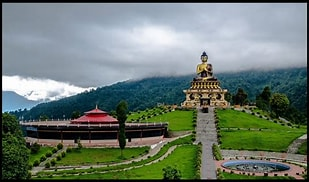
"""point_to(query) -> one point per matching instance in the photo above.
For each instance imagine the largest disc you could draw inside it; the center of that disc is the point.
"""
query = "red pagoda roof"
(95, 116)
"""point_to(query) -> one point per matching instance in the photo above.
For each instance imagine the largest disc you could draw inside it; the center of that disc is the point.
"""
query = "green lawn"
(181, 141)
(277, 141)
(87, 156)
(153, 171)
(133, 116)
(237, 119)
(178, 120)
(37, 156)
(272, 137)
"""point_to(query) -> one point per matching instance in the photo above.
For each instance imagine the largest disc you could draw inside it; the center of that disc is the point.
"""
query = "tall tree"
(240, 97)
(15, 155)
(263, 99)
(279, 104)
(228, 97)
(122, 110)
(75, 115)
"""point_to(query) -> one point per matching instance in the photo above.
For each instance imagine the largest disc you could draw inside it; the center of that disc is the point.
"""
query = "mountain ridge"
(12, 101)
(147, 92)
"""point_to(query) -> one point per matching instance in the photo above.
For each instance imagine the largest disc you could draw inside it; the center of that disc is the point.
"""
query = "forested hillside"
(146, 93)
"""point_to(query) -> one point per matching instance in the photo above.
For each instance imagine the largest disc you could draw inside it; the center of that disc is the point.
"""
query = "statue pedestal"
(204, 92)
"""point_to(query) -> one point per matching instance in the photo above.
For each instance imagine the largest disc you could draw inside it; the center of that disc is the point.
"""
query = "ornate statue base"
(204, 91)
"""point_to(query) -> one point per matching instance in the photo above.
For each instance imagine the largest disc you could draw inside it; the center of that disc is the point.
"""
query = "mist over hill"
(148, 92)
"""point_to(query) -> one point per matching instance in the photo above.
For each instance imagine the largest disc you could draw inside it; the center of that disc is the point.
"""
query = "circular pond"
(255, 166)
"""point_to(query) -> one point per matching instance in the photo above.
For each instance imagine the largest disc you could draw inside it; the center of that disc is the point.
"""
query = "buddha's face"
(204, 59)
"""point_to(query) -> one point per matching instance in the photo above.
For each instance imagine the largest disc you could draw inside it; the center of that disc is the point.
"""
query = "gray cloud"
(95, 44)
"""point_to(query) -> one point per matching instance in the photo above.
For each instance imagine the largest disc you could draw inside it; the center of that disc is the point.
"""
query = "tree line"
(146, 93)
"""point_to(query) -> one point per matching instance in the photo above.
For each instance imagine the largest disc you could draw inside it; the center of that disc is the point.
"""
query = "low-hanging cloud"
(91, 45)
(40, 89)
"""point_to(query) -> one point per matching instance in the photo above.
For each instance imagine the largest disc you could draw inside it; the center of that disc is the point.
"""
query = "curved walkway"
(293, 148)
(41, 166)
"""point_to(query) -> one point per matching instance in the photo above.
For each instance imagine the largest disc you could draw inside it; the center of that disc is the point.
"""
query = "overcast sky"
(75, 46)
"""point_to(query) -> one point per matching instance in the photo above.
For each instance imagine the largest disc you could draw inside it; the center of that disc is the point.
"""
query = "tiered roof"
(95, 116)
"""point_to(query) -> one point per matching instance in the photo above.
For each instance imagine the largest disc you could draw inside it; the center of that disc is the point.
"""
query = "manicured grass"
(37, 156)
(164, 149)
(228, 176)
(134, 116)
(272, 137)
(87, 156)
(277, 141)
(153, 171)
(237, 119)
(178, 120)
(302, 149)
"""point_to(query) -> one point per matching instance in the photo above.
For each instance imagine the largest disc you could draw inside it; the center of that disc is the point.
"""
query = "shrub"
(54, 150)
(60, 146)
(47, 165)
(69, 150)
(43, 158)
(58, 157)
(216, 152)
(36, 163)
(80, 146)
(193, 138)
(53, 162)
(48, 154)
(35, 148)
(63, 154)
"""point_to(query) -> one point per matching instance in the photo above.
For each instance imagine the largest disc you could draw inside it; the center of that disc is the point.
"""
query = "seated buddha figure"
(204, 70)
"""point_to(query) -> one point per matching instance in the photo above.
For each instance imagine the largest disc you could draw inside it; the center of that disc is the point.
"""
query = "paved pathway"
(293, 148)
(41, 166)
(206, 133)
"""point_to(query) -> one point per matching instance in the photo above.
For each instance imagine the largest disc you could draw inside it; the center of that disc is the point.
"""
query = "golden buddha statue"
(204, 70)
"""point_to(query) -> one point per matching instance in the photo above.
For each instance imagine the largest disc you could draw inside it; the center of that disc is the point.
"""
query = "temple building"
(205, 89)
(92, 127)
(95, 116)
